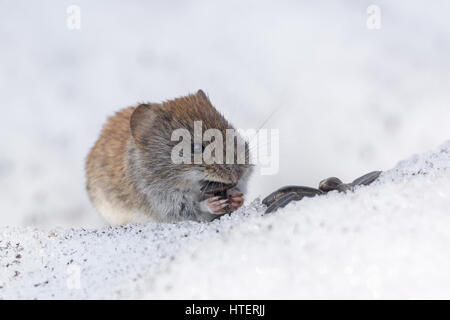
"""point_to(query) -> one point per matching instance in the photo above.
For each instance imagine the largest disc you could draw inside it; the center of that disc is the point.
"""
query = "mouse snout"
(234, 172)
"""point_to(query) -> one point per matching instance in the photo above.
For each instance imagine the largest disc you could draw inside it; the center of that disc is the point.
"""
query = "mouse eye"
(197, 148)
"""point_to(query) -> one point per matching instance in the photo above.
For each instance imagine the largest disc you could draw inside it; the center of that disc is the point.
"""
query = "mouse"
(131, 176)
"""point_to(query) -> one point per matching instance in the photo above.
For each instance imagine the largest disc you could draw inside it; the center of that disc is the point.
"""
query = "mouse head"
(188, 138)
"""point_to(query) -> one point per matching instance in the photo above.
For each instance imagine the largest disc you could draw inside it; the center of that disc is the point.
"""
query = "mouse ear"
(202, 95)
(141, 121)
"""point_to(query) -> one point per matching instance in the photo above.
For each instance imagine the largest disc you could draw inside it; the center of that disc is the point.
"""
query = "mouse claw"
(214, 205)
(236, 200)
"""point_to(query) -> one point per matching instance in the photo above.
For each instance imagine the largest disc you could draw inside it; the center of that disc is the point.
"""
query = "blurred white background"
(349, 99)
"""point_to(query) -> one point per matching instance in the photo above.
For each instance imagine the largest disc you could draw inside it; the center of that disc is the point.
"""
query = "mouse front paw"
(236, 200)
(214, 205)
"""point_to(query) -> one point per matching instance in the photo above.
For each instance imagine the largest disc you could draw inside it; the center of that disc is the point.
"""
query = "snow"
(386, 240)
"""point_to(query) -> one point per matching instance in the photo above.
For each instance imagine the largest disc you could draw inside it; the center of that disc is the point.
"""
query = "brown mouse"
(131, 176)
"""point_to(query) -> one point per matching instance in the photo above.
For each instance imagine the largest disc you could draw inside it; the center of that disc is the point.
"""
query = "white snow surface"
(386, 240)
